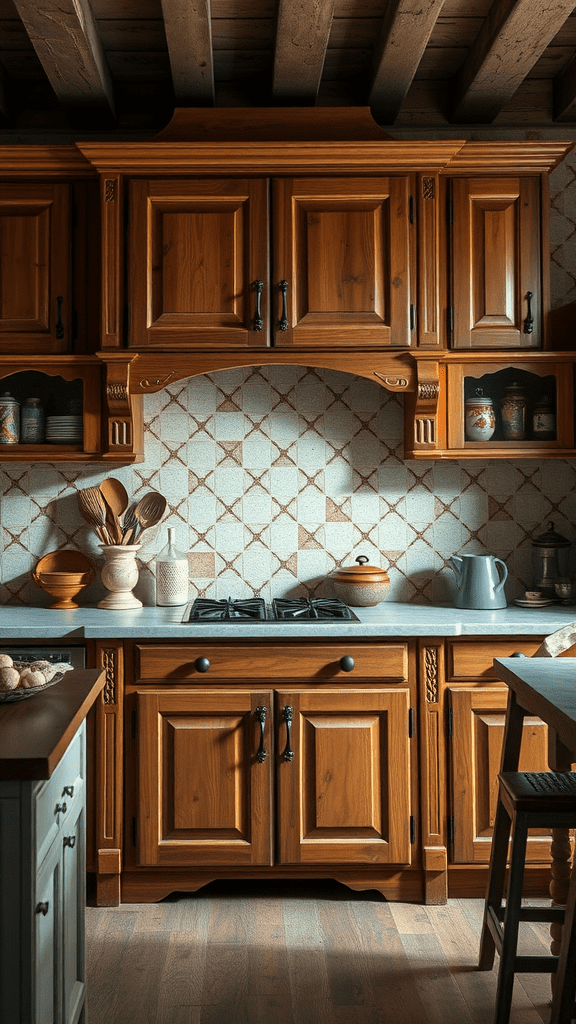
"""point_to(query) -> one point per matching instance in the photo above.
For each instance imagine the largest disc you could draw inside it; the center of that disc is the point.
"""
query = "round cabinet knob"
(43, 908)
(347, 663)
(201, 664)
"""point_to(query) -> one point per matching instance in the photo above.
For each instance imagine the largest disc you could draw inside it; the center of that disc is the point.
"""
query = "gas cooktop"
(254, 609)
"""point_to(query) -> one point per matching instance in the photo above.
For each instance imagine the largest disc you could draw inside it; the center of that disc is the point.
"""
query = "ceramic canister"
(9, 419)
(479, 418)
(513, 413)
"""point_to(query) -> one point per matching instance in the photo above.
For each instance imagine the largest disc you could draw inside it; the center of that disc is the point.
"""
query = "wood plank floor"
(297, 953)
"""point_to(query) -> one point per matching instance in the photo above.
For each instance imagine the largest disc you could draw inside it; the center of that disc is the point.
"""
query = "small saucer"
(540, 603)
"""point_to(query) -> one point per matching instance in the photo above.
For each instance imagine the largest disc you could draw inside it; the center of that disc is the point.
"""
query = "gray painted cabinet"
(43, 894)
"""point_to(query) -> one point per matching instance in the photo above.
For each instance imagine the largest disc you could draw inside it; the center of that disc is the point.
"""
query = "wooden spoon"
(116, 499)
(149, 511)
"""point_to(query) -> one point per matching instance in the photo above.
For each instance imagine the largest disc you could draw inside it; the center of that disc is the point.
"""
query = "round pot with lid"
(361, 585)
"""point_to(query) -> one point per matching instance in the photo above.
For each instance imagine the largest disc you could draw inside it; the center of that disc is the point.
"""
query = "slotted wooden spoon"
(116, 499)
(149, 511)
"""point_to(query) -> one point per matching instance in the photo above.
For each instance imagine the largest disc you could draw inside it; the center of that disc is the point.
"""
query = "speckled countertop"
(386, 620)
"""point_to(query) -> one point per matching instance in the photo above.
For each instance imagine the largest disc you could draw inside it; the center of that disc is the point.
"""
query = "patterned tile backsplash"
(274, 477)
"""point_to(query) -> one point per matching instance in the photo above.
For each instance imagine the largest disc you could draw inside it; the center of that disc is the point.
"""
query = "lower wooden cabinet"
(476, 733)
(257, 777)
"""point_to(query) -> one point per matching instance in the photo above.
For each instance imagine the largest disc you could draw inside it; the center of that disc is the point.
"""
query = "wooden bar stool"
(526, 800)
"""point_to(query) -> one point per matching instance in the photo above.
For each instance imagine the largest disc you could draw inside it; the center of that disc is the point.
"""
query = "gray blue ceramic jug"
(479, 584)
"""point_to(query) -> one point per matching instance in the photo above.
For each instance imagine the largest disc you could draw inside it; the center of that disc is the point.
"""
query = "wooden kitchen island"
(42, 851)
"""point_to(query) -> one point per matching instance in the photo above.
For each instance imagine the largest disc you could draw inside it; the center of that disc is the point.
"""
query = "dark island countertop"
(35, 732)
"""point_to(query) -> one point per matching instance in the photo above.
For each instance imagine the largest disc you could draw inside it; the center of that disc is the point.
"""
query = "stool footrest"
(545, 915)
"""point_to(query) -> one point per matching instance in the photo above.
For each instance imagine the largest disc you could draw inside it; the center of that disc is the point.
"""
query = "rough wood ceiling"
(437, 65)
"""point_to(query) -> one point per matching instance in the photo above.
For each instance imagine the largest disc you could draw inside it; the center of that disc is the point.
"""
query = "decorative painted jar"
(513, 413)
(544, 420)
(479, 417)
(9, 419)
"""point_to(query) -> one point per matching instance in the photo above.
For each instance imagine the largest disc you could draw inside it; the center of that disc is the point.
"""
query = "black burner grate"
(253, 609)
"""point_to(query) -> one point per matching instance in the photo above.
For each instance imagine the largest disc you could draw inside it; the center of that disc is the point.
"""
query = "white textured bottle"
(171, 574)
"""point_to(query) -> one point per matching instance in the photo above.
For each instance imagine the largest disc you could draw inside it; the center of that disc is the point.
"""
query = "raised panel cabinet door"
(73, 910)
(204, 778)
(496, 263)
(344, 793)
(197, 250)
(342, 262)
(47, 930)
(35, 268)
(478, 720)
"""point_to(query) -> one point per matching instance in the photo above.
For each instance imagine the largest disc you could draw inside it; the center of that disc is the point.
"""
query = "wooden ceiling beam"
(302, 33)
(189, 37)
(65, 38)
(401, 44)
(513, 37)
(565, 93)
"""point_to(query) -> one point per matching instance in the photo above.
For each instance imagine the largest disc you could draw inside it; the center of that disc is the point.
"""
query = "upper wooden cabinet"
(496, 263)
(195, 251)
(35, 268)
(205, 269)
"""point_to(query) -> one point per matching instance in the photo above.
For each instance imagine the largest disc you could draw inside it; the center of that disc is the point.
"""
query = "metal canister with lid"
(9, 419)
(32, 429)
(550, 556)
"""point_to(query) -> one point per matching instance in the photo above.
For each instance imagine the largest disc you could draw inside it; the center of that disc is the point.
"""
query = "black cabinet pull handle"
(201, 664)
(529, 321)
(257, 321)
(261, 712)
(68, 791)
(288, 753)
(347, 663)
(70, 841)
(42, 908)
(283, 321)
(60, 808)
(59, 322)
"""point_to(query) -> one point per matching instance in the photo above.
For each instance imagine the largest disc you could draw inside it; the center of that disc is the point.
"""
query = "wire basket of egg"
(21, 679)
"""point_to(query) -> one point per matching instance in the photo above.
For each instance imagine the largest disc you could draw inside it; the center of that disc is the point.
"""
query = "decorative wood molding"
(243, 157)
(108, 660)
(431, 674)
(150, 371)
(44, 161)
(426, 406)
(531, 157)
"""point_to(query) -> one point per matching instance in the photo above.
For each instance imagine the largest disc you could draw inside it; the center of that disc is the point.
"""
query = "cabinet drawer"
(62, 790)
(383, 662)
(474, 660)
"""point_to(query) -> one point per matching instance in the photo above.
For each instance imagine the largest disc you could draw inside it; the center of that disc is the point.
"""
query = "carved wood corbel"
(122, 411)
(426, 404)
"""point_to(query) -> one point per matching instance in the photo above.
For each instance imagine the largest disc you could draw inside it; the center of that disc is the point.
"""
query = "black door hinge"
(450, 317)
(450, 723)
(450, 211)
(411, 209)
(412, 830)
(126, 319)
(410, 723)
(412, 316)
(134, 724)
(451, 830)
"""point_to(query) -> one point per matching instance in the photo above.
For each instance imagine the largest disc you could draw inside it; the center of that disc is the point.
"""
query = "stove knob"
(347, 663)
(201, 664)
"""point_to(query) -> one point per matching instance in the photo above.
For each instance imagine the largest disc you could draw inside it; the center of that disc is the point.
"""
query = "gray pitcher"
(479, 583)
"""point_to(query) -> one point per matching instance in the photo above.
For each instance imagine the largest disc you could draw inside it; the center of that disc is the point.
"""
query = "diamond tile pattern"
(275, 476)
